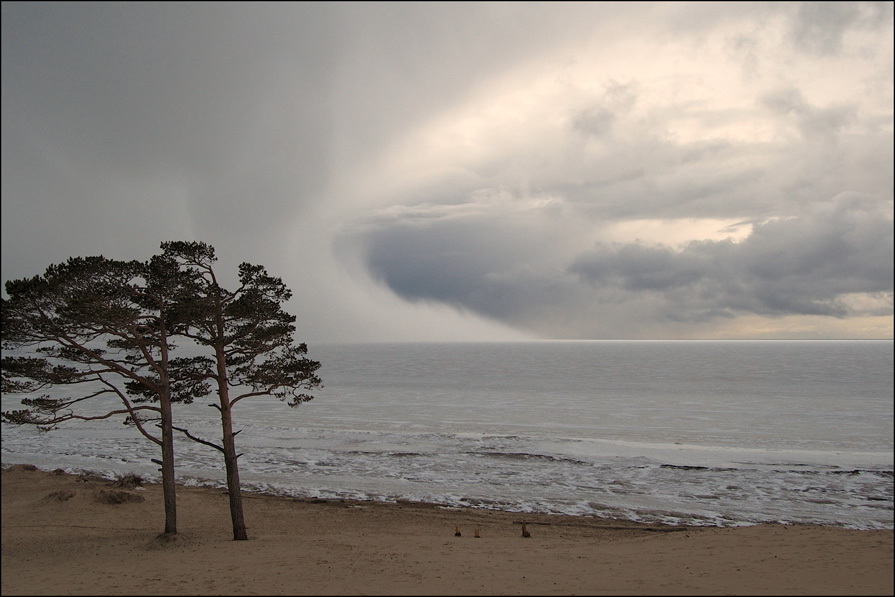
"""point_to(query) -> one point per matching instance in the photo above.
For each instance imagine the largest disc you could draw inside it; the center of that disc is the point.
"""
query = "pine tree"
(249, 341)
(104, 326)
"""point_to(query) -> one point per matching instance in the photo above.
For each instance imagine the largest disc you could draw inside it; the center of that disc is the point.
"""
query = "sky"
(471, 171)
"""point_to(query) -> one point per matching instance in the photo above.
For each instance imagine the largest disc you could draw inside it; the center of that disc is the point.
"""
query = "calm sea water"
(706, 433)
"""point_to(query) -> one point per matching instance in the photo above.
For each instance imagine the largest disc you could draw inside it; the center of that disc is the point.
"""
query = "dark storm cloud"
(801, 265)
(453, 262)
(806, 265)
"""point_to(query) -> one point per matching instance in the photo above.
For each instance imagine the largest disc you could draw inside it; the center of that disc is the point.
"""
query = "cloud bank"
(472, 171)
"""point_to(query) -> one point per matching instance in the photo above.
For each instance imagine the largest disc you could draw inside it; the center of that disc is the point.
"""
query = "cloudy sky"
(471, 171)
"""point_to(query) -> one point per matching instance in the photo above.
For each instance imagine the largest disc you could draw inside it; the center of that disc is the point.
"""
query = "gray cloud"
(801, 265)
(226, 112)
(190, 100)
(820, 124)
(445, 166)
(806, 265)
(819, 27)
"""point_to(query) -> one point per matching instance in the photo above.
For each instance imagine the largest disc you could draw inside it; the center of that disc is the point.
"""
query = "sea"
(706, 433)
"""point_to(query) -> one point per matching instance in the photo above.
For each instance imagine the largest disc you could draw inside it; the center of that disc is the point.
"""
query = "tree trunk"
(168, 486)
(229, 444)
(233, 489)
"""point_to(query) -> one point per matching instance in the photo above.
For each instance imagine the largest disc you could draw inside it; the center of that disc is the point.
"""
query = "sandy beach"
(81, 535)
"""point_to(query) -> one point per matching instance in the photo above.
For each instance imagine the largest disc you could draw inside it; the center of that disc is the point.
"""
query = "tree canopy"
(109, 325)
(103, 325)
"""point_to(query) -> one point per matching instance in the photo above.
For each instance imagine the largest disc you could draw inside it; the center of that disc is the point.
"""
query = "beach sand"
(63, 535)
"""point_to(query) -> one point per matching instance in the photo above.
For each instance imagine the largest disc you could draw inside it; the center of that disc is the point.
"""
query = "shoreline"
(642, 516)
(61, 536)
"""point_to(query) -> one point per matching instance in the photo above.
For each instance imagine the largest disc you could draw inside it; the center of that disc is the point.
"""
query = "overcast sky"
(471, 171)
